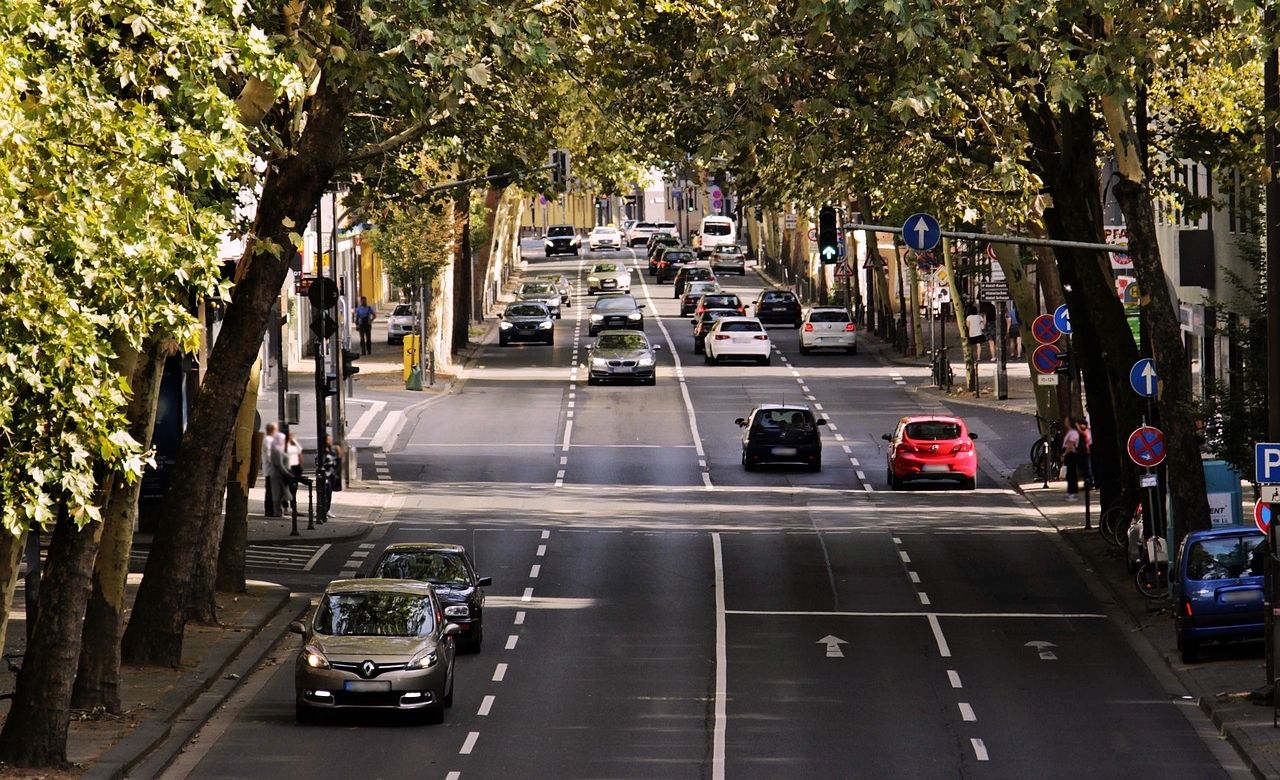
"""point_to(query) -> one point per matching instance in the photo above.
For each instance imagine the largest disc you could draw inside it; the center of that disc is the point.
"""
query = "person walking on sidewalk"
(989, 328)
(364, 323)
(1013, 328)
(1076, 445)
(269, 474)
(293, 461)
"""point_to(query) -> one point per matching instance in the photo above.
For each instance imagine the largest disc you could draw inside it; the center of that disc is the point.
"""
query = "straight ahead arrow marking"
(833, 646)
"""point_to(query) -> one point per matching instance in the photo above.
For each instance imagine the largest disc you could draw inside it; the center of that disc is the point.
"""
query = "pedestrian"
(364, 323)
(293, 461)
(1013, 328)
(282, 485)
(269, 470)
(989, 326)
(1076, 445)
(974, 330)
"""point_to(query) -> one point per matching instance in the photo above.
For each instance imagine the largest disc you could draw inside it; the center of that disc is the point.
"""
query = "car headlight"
(544, 325)
(576, 241)
(599, 363)
(548, 243)
(457, 610)
(425, 660)
(597, 317)
(646, 361)
(593, 280)
(504, 325)
(314, 658)
(635, 315)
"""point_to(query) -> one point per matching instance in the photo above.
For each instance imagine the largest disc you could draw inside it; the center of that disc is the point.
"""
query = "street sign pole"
(1002, 367)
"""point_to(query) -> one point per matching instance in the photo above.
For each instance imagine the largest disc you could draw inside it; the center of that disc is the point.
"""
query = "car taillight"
(1187, 604)
(904, 447)
(965, 446)
(808, 327)
(721, 337)
(849, 328)
(761, 337)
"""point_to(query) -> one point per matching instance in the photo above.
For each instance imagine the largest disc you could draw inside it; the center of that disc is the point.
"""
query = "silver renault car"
(376, 644)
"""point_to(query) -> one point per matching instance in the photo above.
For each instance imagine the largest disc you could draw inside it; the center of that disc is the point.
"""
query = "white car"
(608, 278)
(639, 233)
(828, 327)
(738, 337)
(402, 322)
(541, 292)
(604, 238)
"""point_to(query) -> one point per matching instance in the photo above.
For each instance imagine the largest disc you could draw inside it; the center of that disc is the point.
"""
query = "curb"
(346, 537)
(183, 711)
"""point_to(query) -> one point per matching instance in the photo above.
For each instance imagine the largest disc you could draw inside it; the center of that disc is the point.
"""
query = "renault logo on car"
(368, 668)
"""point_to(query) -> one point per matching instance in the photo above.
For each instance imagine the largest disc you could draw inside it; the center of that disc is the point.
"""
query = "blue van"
(1218, 587)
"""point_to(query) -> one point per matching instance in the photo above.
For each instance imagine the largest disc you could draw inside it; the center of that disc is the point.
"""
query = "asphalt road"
(657, 612)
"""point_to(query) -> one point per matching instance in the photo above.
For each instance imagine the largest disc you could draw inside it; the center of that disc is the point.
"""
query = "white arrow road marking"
(1042, 647)
(833, 646)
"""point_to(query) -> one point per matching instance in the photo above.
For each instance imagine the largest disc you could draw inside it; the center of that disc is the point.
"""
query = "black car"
(782, 434)
(657, 246)
(448, 567)
(702, 324)
(526, 321)
(561, 240)
(778, 307)
(671, 261)
(616, 311)
(699, 272)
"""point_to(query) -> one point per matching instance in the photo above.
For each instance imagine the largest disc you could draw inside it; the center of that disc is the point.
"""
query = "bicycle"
(1152, 577)
(1115, 523)
(943, 376)
(1046, 453)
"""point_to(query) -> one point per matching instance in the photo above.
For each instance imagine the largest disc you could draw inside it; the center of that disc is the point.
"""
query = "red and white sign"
(1262, 515)
(1119, 235)
(843, 271)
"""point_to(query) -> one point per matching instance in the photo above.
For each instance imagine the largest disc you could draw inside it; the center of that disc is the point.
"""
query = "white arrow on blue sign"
(921, 232)
(1143, 378)
(1267, 463)
(1062, 318)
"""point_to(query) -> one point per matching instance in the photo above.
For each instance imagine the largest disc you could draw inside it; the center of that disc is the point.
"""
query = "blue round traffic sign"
(1143, 378)
(1062, 319)
(1262, 515)
(921, 232)
(1046, 359)
(1146, 446)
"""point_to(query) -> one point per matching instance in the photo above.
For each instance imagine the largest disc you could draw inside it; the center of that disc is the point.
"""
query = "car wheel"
(894, 482)
(747, 465)
(305, 714)
(551, 340)
(706, 357)
(651, 381)
(815, 467)
(504, 343)
(434, 715)
(448, 697)
(766, 360)
(698, 349)
(853, 350)
(1189, 648)
(592, 380)
(796, 324)
(969, 483)
(804, 350)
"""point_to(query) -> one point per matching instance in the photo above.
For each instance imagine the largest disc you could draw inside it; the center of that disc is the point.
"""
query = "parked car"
(693, 293)
(738, 337)
(402, 322)
(561, 240)
(604, 237)
(1218, 588)
(778, 307)
(702, 323)
(526, 321)
(828, 327)
(931, 447)
(721, 300)
(562, 285)
(691, 272)
(451, 573)
(616, 311)
(375, 644)
(622, 356)
(541, 292)
(781, 434)
(729, 259)
(608, 278)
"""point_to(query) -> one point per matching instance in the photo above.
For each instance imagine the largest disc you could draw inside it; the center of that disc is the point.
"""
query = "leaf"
(479, 74)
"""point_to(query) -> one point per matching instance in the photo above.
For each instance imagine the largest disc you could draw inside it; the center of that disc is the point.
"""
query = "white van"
(716, 232)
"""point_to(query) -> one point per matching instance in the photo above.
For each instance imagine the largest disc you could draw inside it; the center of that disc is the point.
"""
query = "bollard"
(1088, 521)
(293, 505)
(311, 512)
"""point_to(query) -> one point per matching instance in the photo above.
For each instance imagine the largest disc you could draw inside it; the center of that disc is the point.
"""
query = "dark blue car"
(1218, 588)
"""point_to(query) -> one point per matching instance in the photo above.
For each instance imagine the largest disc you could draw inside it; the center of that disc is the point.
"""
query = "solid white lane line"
(528, 595)
(542, 550)
(511, 642)
(924, 598)
(943, 649)
(499, 672)
(312, 561)
(903, 555)
(722, 673)
(470, 743)
(914, 577)
(966, 712)
(931, 615)
(979, 749)
(486, 704)
(954, 677)
(546, 534)
(520, 617)
(534, 571)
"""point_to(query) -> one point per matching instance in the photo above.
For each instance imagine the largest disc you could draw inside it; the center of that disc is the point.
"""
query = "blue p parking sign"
(1267, 463)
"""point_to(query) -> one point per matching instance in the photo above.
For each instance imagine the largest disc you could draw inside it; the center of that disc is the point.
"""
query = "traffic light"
(690, 201)
(828, 236)
(559, 168)
(330, 386)
(349, 367)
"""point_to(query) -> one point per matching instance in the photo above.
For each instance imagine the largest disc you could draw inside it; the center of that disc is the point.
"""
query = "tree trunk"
(462, 267)
(290, 191)
(10, 553)
(202, 603)
(98, 676)
(35, 731)
(235, 526)
(484, 254)
(1184, 473)
(1023, 297)
(1051, 285)
(958, 310)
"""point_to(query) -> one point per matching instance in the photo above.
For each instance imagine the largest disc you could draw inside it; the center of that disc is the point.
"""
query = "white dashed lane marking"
(486, 705)
(499, 672)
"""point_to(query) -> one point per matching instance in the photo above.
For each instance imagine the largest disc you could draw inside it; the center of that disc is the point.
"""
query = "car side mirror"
(657, 347)
(822, 421)
(640, 306)
(499, 315)
(973, 436)
(296, 627)
(484, 582)
(886, 437)
(452, 629)
(741, 422)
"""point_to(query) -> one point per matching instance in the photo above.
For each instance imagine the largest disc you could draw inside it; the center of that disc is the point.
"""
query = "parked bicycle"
(943, 376)
(1152, 577)
(1046, 453)
(1116, 522)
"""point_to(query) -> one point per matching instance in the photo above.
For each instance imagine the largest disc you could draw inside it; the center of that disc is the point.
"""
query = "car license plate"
(366, 686)
(784, 452)
(935, 467)
(1237, 596)
(622, 369)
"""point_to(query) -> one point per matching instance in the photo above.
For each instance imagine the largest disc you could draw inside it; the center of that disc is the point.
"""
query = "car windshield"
(933, 430)
(621, 341)
(555, 280)
(616, 303)
(728, 301)
(403, 310)
(728, 250)
(716, 229)
(829, 315)
(742, 327)
(698, 288)
(778, 297)
(527, 310)
(697, 273)
(438, 568)
(560, 230)
(780, 419)
(711, 315)
(600, 230)
(645, 226)
(678, 257)
(536, 289)
(1226, 557)
(671, 226)
(605, 268)
(374, 613)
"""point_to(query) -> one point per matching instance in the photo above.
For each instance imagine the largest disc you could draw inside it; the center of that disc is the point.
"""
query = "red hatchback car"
(929, 447)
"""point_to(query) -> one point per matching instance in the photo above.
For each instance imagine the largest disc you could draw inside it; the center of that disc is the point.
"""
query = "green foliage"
(115, 143)
(415, 242)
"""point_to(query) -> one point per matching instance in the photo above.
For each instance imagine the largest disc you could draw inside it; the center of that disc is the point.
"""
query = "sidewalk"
(165, 707)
